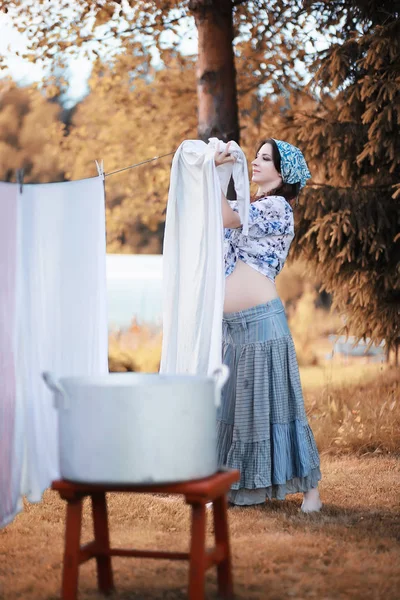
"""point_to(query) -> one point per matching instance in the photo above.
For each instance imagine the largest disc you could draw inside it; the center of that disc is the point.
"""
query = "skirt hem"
(288, 454)
(249, 497)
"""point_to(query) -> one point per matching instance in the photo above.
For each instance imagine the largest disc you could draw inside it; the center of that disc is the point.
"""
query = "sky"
(79, 69)
(25, 72)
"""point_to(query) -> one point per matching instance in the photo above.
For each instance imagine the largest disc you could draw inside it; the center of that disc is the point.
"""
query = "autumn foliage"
(324, 75)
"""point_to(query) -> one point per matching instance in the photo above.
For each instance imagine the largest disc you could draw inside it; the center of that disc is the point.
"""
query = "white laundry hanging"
(193, 269)
(10, 469)
(60, 324)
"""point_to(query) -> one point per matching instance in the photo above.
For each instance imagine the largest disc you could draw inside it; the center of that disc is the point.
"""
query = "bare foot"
(312, 501)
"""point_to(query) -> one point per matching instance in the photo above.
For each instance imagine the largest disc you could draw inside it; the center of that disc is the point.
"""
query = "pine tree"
(349, 221)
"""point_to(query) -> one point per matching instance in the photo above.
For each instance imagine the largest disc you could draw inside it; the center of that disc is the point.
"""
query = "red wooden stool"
(197, 493)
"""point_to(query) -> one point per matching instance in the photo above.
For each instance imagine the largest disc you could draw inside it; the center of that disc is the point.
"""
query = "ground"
(350, 551)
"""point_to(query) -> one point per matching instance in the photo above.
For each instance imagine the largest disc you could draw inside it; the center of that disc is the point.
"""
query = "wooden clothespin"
(20, 179)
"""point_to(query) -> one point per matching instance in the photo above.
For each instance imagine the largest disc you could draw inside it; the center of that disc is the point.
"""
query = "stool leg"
(102, 538)
(224, 568)
(72, 549)
(197, 567)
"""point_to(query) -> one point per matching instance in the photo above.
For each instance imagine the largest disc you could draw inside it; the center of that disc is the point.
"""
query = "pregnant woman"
(262, 427)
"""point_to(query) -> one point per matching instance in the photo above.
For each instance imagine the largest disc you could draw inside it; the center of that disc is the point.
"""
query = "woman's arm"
(230, 218)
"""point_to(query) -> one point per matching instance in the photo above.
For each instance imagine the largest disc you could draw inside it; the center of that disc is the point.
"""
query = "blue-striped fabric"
(262, 425)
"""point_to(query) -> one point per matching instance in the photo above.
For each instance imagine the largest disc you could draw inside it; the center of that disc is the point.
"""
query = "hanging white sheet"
(60, 319)
(193, 269)
(10, 469)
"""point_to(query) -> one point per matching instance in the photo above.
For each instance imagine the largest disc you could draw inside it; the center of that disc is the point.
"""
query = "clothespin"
(20, 179)
(100, 168)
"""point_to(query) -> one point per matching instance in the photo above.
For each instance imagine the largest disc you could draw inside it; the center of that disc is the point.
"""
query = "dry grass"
(137, 349)
(335, 374)
(349, 551)
(357, 418)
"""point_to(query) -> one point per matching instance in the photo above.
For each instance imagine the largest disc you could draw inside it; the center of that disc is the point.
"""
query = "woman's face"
(265, 174)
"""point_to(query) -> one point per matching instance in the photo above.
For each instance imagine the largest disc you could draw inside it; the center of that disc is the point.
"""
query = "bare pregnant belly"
(246, 287)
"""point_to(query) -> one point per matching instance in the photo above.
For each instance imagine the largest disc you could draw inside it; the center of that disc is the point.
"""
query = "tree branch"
(347, 187)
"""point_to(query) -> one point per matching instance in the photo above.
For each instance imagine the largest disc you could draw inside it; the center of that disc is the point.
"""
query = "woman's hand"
(221, 158)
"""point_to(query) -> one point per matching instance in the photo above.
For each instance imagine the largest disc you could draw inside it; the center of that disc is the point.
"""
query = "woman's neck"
(270, 191)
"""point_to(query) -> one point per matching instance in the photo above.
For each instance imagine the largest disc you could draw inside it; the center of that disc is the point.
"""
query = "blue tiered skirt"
(262, 425)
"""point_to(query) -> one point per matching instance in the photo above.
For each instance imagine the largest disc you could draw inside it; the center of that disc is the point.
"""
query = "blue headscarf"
(293, 164)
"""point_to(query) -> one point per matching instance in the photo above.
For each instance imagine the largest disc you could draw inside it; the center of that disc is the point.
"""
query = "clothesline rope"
(138, 164)
(311, 184)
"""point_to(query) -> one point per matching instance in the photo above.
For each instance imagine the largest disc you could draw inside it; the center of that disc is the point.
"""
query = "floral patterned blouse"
(271, 231)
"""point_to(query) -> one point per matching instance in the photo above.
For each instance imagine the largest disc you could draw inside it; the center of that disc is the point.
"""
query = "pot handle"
(220, 377)
(55, 386)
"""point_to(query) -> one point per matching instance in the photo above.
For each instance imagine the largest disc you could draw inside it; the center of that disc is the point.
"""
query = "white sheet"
(10, 470)
(61, 316)
(193, 269)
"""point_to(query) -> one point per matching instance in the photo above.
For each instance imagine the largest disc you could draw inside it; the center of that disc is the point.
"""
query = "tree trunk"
(216, 75)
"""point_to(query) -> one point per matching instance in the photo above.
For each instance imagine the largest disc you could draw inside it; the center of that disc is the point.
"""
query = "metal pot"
(127, 428)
